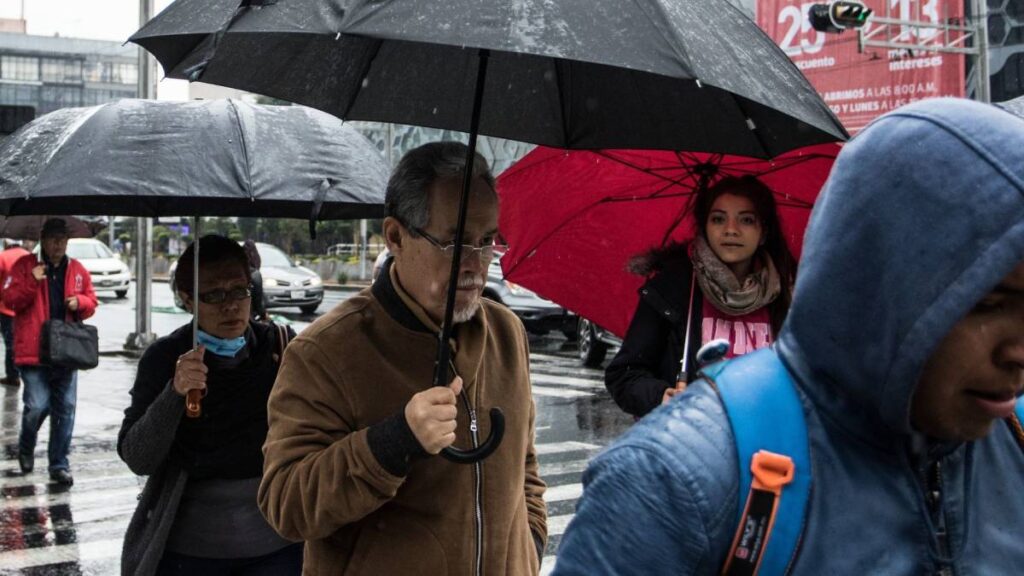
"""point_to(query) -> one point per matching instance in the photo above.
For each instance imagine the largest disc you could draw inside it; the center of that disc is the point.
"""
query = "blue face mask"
(220, 346)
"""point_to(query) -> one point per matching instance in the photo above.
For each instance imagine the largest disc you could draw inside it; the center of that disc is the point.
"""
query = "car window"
(88, 250)
(273, 257)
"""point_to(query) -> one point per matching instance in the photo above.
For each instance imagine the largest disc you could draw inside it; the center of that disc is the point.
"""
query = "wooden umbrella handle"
(193, 403)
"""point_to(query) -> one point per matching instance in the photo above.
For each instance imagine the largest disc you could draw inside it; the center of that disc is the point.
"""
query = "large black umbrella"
(202, 158)
(695, 75)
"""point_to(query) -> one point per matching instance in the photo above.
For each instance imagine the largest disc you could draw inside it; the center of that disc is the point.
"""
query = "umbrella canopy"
(695, 75)
(574, 219)
(29, 227)
(210, 158)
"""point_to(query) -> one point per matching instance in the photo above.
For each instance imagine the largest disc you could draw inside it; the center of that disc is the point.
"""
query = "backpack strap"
(1016, 422)
(770, 430)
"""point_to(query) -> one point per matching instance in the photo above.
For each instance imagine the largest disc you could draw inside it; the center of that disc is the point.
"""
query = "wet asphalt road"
(48, 529)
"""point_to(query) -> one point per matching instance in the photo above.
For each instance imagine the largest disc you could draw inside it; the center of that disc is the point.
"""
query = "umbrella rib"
(245, 149)
(670, 181)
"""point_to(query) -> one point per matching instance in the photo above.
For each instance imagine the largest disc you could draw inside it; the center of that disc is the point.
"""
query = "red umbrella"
(573, 219)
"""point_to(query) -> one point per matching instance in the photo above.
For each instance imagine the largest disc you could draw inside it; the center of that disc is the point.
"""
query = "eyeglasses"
(485, 252)
(218, 296)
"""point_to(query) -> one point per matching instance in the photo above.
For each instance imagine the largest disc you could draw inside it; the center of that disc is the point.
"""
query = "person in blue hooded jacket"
(905, 341)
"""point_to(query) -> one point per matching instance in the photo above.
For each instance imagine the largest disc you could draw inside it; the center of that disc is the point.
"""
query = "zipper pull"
(472, 420)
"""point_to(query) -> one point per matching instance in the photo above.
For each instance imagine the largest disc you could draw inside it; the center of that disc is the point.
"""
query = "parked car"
(108, 272)
(285, 283)
(594, 342)
(538, 315)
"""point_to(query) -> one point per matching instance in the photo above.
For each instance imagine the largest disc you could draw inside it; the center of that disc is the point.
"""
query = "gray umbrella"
(209, 158)
(30, 227)
(665, 74)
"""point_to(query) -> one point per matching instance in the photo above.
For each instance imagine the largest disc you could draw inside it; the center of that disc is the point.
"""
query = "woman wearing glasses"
(733, 281)
(198, 513)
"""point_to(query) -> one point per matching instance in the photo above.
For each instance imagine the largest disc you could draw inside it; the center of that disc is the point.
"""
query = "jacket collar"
(468, 340)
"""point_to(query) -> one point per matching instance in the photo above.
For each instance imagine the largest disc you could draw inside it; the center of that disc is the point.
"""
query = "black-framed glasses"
(485, 252)
(219, 295)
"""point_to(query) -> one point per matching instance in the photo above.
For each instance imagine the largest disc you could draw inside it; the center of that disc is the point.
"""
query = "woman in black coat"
(198, 513)
(741, 291)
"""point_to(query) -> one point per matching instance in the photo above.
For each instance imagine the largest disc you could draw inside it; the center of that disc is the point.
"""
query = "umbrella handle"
(484, 450)
(193, 403)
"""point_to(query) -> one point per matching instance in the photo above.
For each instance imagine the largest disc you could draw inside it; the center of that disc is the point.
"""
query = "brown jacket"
(355, 367)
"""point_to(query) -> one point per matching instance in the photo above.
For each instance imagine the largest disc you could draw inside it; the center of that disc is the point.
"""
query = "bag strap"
(1016, 422)
(282, 341)
(770, 431)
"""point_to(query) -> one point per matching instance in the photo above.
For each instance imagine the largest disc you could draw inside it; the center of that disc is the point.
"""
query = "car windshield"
(273, 257)
(88, 250)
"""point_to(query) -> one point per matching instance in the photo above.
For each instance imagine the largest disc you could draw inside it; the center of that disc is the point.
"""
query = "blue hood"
(922, 216)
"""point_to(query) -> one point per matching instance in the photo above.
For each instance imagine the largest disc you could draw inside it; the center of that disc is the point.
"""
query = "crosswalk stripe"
(80, 498)
(557, 524)
(556, 468)
(563, 492)
(82, 551)
(568, 381)
(559, 447)
(559, 392)
(547, 565)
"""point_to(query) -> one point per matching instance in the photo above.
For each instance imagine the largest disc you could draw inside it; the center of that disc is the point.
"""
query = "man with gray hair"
(355, 425)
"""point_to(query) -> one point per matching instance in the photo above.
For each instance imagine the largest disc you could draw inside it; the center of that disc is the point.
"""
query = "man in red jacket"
(38, 289)
(11, 254)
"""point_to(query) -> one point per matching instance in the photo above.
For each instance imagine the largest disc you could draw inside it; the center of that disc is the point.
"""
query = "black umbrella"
(214, 158)
(696, 75)
(30, 227)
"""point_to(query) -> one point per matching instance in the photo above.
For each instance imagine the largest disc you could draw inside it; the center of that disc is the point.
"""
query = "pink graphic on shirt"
(745, 333)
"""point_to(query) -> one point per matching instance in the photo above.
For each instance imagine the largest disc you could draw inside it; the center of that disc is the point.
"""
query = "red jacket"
(7, 259)
(30, 300)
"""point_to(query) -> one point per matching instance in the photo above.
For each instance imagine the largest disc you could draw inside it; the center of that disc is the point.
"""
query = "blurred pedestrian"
(197, 513)
(259, 309)
(11, 254)
(48, 287)
(733, 281)
(904, 350)
(355, 425)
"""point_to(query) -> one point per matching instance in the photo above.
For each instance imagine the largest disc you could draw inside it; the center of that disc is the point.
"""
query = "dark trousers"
(7, 328)
(285, 562)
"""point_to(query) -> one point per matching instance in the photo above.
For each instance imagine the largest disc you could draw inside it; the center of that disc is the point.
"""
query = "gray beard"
(465, 314)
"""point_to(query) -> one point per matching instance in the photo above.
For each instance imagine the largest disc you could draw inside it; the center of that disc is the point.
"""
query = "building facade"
(48, 73)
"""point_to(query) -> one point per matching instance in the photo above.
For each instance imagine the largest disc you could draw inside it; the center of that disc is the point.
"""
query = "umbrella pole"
(441, 373)
(193, 406)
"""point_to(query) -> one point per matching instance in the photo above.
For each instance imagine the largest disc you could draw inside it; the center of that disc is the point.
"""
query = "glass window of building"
(64, 70)
(24, 68)
(19, 95)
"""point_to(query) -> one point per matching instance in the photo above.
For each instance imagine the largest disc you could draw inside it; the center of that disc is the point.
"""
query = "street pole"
(362, 249)
(143, 335)
(982, 91)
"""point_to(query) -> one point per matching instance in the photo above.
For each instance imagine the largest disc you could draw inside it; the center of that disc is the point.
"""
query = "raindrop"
(751, 125)
(549, 75)
(366, 82)
(337, 36)
(699, 85)
(434, 111)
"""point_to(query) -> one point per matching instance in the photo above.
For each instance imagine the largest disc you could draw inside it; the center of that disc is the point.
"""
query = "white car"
(108, 272)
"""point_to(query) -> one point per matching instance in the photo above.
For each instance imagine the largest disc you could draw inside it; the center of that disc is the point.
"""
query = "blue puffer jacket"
(923, 216)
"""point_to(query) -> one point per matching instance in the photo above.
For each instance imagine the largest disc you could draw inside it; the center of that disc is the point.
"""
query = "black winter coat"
(650, 358)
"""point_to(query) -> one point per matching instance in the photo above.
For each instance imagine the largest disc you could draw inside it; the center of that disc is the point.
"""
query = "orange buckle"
(771, 471)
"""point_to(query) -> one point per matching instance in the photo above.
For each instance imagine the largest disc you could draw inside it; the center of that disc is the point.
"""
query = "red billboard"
(860, 86)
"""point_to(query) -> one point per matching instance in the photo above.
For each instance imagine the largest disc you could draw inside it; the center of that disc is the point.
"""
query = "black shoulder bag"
(73, 345)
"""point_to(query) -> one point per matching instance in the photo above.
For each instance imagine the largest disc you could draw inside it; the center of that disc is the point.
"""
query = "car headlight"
(315, 281)
(517, 289)
(269, 283)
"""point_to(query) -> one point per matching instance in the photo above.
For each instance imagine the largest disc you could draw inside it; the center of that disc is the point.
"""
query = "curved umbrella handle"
(484, 450)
